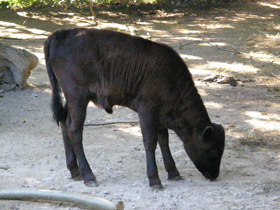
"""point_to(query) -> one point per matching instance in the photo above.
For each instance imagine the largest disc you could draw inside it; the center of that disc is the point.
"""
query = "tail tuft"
(59, 111)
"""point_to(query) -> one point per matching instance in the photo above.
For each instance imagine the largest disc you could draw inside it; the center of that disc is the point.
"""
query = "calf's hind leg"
(77, 111)
(71, 160)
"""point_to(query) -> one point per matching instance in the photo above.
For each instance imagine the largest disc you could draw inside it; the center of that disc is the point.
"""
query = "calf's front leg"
(173, 173)
(77, 111)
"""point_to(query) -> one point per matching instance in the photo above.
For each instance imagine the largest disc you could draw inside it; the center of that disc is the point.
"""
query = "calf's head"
(206, 149)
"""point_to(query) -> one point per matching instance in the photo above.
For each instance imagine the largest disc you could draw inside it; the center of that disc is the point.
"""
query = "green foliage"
(28, 3)
(77, 3)
(20, 3)
(4, 4)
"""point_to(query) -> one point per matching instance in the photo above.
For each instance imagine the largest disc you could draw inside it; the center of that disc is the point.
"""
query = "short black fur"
(111, 68)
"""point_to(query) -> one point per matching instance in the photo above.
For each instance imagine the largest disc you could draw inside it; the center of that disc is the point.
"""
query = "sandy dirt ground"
(241, 41)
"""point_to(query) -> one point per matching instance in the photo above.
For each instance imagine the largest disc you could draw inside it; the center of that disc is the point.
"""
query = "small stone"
(232, 82)
(210, 78)
(5, 167)
(189, 180)
(106, 193)
(35, 95)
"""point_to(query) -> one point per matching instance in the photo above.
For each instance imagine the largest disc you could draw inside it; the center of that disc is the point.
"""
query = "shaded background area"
(241, 40)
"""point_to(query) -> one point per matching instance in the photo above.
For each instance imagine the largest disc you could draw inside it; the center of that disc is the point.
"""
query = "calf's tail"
(59, 111)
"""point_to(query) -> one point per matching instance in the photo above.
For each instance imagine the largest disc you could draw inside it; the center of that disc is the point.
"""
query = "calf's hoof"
(176, 178)
(75, 174)
(92, 183)
(77, 178)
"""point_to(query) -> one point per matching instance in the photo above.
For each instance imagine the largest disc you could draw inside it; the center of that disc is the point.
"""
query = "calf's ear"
(207, 133)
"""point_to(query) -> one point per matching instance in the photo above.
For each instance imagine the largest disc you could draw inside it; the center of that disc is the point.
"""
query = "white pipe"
(85, 200)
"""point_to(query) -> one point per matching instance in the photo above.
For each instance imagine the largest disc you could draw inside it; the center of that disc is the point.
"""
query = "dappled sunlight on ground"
(32, 15)
(215, 26)
(219, 44)
(113, 26)
(214, 105)
(188, 31)
(190, 57)
(232, 67)
(263, 121)
(274, 5)
(16, 31)
(265, 57)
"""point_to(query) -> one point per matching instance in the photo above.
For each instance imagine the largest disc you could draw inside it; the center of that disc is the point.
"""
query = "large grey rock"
(15, 67)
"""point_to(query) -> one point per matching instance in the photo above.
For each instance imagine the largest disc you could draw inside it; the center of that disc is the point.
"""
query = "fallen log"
(15, 67)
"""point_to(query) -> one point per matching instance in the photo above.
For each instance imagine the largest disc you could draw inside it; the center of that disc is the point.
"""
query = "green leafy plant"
(28, 3)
